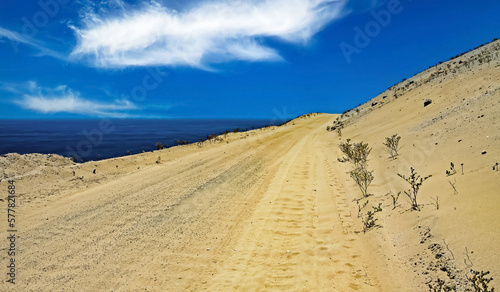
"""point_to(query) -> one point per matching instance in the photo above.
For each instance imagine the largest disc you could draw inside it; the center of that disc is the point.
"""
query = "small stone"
(484, 152)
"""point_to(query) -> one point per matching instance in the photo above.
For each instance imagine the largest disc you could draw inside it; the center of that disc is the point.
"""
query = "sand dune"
(272, 209)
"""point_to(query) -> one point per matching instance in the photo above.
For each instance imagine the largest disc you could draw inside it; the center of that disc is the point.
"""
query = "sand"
(273, 209)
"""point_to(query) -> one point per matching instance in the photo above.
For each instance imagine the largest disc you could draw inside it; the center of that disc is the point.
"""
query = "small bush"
(440, 286)
(357, 153)
(392, 145)
(361, 207)
(395, 200)
(360, 153)
(160, 146)
(211, 138)
(347, 148)
(363, 179)
(415, 182)
(480, 281)
(369, 221)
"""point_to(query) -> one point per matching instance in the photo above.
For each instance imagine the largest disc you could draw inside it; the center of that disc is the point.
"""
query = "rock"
(374, 103)
(427, 102)
(484, 152)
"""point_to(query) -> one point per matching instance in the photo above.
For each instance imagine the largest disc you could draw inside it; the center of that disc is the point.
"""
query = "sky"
(276, 59)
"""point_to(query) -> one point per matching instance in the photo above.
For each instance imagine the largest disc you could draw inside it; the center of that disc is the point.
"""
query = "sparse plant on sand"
(363, 179)
(356, 153)
(160, 146)
(337, 126)
(480, 281)
(453, 186)
(360, 153)
(339, 131)
(452, 170)
(440, 286)
(361, 207)
(415, 182)
(369, 220)
(392, 145)
(435, 202)
(347, 149)
(158, 160)
(395, 200)
(495, 166)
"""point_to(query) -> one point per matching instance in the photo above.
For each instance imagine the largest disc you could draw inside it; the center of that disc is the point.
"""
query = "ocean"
(99, 139)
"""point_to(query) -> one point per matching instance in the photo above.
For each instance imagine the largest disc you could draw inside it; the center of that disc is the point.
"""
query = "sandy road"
(295, 239)
(261, 213)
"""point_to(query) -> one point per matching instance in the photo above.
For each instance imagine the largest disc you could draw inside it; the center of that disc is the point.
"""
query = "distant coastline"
(86, 140)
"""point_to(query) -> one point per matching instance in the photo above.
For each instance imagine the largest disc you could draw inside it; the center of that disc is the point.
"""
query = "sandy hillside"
(274, 209)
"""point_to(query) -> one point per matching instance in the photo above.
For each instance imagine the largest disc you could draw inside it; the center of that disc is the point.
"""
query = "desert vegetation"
(415, 181)
(363, 179)
(452, 170)
(392, 145)
(480, 281)
(369, 220)
(357, 154)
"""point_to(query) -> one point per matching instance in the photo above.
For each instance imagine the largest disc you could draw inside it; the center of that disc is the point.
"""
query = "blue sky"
(273, 59)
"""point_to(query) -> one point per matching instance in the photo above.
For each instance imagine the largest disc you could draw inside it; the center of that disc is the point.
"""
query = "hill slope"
(460, 126)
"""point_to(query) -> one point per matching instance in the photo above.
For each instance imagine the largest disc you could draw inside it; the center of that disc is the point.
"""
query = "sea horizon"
(95, 139)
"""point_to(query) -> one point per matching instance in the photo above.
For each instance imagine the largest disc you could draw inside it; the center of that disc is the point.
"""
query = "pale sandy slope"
(272, 209)
(462, 125)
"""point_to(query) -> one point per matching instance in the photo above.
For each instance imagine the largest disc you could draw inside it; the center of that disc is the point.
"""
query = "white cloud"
(17, 38)
(62, 99)
(209, 32)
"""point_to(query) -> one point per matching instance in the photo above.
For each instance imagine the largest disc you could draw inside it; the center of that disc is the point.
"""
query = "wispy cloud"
(16, 38)
(62, 99)
(209, 32)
